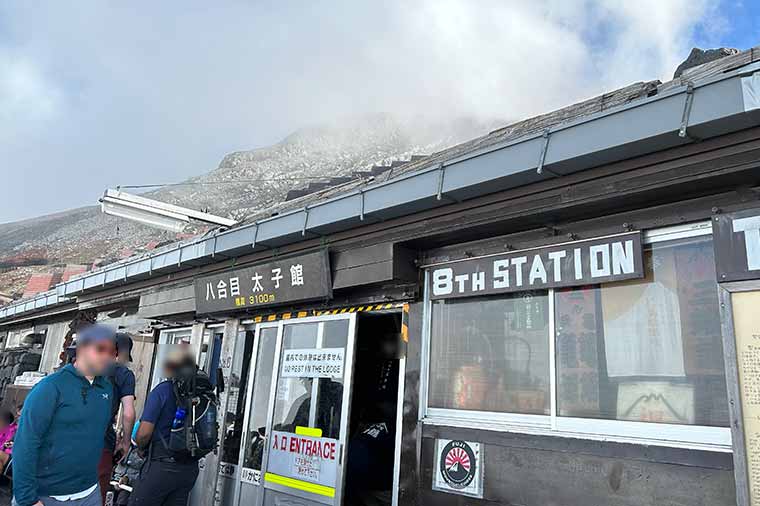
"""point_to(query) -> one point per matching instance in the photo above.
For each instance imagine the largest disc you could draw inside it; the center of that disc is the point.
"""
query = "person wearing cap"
(123, 381)
(60, 437)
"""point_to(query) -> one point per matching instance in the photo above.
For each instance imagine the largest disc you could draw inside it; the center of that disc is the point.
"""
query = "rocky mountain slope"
(241, 185)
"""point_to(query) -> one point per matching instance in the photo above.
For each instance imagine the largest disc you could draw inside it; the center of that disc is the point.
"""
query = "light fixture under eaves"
(154, 213)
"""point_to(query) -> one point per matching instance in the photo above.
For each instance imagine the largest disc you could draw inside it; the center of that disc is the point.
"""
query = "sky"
(98, 93)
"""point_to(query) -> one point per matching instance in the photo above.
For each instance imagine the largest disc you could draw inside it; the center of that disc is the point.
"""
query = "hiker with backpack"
(177, 428)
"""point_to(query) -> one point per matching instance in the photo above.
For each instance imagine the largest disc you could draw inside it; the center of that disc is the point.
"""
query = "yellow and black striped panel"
(405, 324)
(324, 312)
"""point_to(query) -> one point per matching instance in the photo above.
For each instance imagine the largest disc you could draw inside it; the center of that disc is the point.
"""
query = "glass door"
(309, 412)
(251, 454)
(235, 417)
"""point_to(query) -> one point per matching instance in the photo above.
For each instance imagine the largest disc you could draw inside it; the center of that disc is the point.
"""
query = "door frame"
(349, 364)
(250, 385)
(348, 377)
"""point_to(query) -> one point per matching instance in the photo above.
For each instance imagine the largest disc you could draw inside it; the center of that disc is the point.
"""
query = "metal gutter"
(675, 116)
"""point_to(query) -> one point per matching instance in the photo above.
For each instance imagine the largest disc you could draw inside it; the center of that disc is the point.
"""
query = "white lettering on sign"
(442, 281)
(313, 363)
(751, 228)
(501, 274)
(304, 458)
(598, 260)
(556, 257)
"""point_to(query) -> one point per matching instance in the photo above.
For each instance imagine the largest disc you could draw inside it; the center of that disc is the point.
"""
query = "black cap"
(124, 343)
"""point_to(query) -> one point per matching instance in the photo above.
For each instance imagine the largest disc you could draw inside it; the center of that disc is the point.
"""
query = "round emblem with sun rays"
(458, 463)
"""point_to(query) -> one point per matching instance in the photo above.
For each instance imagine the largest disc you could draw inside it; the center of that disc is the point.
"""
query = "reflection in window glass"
(293, 401)
(330, 392)
(262, 384)
(166, 341)
(293, 405)
(491, 354)
(236, 397)
(647, 349)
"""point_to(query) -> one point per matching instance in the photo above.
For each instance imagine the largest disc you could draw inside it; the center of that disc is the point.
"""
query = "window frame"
(649, 433)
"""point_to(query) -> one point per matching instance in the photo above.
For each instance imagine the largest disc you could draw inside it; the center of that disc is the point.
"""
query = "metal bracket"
(542, 156)
(439, 194)
(305, 220)
(179, 256)
(213, 249)
(682, 132)
(361, 210)
(255, 234)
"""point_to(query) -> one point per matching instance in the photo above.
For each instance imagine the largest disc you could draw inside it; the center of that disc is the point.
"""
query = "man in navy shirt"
(165, 480)
(123, 381)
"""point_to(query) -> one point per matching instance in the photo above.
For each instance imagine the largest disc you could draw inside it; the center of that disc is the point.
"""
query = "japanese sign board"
(576, 263)
(252, 476)
(313, 363)
(458, 468)
(304, 458)
(737, 245)
(301, 278)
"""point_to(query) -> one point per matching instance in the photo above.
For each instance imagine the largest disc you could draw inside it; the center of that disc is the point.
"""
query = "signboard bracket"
(542, 155)
(682, 132)
(255, 234)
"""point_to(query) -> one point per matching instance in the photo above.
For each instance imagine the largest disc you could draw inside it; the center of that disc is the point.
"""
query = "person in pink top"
(8, 428)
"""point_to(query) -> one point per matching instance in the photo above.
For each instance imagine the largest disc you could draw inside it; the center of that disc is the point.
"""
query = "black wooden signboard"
(300, 278)
(591, 261)
(736, 239)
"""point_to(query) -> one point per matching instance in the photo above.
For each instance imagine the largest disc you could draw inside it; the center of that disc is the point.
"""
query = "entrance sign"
(301, 278)
(458, 468)
(313, 363)
(592, 261)
(737, 245)
(300, 459)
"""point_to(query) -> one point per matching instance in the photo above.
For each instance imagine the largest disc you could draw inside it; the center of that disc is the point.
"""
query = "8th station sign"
(593, 261)
(301, 278)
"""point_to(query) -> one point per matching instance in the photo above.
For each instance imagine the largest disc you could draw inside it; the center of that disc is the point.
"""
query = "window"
(166, 341)
(634, 359)
(302, 401)
(491, 354)
(649, 349)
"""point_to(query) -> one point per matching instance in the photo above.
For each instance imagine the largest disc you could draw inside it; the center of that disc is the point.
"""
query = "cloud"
(113, 93)
(27, 99)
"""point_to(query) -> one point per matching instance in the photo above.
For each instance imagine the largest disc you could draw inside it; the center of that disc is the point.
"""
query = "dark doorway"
(372, 427)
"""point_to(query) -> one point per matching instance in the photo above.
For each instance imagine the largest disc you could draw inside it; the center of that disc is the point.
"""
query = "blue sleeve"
(154, 403)
(126, 381)
(36, 417)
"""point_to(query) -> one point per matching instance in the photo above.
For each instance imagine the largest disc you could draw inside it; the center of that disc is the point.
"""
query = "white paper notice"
(313, 363)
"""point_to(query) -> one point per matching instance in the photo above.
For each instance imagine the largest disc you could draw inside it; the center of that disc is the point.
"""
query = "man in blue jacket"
(60, 436)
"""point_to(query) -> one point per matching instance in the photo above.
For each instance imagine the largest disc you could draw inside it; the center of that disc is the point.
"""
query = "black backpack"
(197, 435)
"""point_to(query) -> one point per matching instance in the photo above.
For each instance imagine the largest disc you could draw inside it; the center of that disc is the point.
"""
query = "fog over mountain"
(233, 189)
